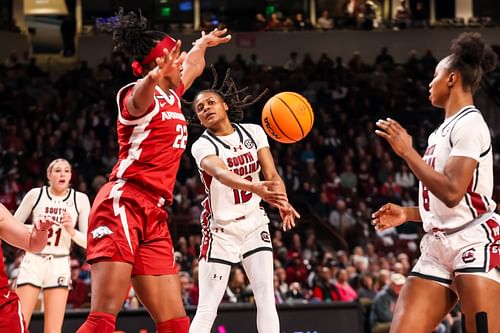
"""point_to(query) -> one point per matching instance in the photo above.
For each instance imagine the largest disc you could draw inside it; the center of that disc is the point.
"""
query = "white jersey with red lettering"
(239, 152)
(464, 134)
(150, 147)
(41, 203)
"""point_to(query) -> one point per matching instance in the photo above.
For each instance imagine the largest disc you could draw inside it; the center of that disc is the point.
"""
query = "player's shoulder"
(253, 129)
(469, 119)
(81, 195)
(35, 190)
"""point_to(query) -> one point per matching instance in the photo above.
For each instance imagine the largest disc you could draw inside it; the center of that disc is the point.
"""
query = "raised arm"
(142, 96)
(448, 186)
(194, 64)
(18, 235)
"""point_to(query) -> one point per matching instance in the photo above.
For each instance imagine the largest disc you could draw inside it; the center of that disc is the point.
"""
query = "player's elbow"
(452, 200)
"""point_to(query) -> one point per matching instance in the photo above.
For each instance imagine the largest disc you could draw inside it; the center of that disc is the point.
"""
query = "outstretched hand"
(213, 38)
(288, 215)
(388, 216)
(266, 190)
(168, 64)
(396, 135)
(43, 224)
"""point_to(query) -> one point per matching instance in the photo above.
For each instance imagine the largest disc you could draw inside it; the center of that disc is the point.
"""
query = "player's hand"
(67, 223)
(168, 64)
(288, 215)
(266, 190)
(43, 224)
(388, 216)
(213, 38)
(396, 135)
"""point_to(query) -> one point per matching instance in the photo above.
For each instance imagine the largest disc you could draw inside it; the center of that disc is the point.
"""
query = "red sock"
(176, 325)
(98, 322)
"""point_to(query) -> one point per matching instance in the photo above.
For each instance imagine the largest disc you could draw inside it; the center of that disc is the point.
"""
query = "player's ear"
(226, 107)
(452, 78)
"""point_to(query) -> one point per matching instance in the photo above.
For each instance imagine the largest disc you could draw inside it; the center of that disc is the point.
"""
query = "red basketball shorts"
(126, 225)
(11, 318)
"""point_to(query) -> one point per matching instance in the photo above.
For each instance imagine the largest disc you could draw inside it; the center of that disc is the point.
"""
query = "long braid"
(231, 95)
(130, 34)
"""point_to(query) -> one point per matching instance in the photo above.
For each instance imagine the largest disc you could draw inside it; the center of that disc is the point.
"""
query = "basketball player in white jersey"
(230, 157)
(49, 270)
(460, 256)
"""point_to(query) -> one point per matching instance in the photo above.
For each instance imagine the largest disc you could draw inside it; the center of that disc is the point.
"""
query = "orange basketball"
(287, 117)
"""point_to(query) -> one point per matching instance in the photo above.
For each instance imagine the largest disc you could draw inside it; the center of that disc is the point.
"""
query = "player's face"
(210, 109)
(59, 176)
(438, 88)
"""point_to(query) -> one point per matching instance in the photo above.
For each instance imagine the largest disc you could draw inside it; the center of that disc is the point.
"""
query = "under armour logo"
(219, 229)
(240, 147)
(217, 277)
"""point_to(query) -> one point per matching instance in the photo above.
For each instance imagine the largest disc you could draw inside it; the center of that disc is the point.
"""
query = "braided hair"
(472, 57)
(230, 94)
(131, 35)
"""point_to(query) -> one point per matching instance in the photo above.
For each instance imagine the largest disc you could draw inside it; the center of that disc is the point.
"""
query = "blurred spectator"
(383, 305)
(402, 18)
(68, 31)
(238, 290)
(325, 22)
(260, 22)
(274, 23)
(369, 16)
(295, 294)
(186, 286)
(346, 292)
(279, 297)
(325, 289)
(420, 15)
(385, 59)
(79, 294)
(352, 10)
(341, 217)
(301, 23)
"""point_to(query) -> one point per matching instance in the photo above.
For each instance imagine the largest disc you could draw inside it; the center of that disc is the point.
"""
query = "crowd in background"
(338, 174)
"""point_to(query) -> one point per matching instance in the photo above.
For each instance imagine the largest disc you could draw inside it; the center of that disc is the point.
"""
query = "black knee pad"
(481, 322)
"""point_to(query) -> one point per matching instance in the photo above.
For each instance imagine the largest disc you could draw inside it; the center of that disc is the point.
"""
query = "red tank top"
(150, 147)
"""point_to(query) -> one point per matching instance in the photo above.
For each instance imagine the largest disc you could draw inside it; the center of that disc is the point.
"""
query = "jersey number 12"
(240, 196)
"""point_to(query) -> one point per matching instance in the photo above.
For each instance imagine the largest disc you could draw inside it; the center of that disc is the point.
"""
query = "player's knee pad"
(481, 322)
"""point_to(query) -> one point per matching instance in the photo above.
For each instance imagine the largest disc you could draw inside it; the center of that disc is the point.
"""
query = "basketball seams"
(308, 107)
(276, 123)
(293, 114)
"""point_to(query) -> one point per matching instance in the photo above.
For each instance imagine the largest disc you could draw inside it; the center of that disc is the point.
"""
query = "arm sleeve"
(24, 210)
(201, 149)
(83, 204)
(470, 137)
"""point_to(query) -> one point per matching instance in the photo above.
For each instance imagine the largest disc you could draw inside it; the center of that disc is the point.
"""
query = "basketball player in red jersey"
(33, 240)
(460, 257)
(128, 238)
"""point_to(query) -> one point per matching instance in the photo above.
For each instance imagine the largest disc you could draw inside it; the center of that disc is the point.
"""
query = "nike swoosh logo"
(7, 295)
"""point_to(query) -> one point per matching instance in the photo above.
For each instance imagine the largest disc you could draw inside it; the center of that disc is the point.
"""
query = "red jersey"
(6, 295)
(150, 147)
